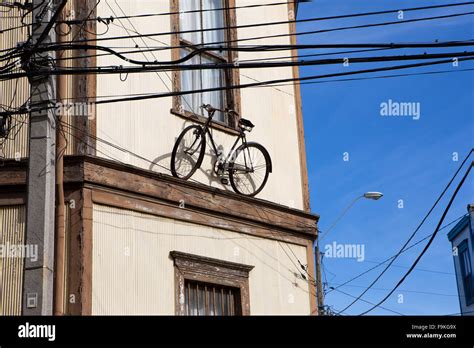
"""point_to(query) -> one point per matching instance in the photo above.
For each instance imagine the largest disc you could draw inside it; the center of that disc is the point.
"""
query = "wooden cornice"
(106, 176)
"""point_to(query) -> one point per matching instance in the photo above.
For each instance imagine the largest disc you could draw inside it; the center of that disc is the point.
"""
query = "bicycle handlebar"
(209, 108)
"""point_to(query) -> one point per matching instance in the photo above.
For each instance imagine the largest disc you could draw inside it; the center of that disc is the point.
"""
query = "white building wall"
(147, 127)
(133, 273)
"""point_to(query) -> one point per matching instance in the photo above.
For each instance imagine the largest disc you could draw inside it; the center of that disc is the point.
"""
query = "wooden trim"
(313, 304)
(10, 198)
(86, 85)
(13, 173)
(208, 270)
(234, 56)
(299, 113)
(174, 9)
(79, 270)
(113, 198)
(202, 199)
(202, 120)
(130, 179)
(74, 268)
(86, 287)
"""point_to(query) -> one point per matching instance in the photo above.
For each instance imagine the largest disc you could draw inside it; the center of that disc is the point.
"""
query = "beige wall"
(147, 128)
(12, 233)
(133, 274)
(14, 93)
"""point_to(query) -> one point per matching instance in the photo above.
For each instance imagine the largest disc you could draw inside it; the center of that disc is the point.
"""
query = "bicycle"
(247, 166)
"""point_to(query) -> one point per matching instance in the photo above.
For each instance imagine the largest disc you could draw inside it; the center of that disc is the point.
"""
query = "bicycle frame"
(242, 136)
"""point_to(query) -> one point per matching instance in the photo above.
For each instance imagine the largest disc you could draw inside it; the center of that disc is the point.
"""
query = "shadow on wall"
(163, 162)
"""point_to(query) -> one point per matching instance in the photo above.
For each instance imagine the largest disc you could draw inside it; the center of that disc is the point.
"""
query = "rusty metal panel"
(12, 234)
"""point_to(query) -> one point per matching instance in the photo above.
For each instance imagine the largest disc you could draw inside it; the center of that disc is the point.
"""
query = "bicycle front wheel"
(188, 152)
(249, 171)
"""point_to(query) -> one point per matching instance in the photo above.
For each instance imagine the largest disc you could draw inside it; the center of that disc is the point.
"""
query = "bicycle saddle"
(246, 123)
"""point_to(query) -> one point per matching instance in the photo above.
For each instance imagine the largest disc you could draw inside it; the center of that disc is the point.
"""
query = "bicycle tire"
(202, 149)
(232, 169)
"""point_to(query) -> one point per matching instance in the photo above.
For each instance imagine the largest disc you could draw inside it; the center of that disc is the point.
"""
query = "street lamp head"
(373, 195)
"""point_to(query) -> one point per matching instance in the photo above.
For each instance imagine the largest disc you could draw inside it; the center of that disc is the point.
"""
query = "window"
(210, 299)
(206, 286)
(466, 272)
(193, 23)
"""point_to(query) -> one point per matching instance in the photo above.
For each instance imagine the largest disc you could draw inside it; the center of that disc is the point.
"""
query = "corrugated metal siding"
(133, 274)
(14, 93)
(148, 129)
(12, 232)
(69, 63)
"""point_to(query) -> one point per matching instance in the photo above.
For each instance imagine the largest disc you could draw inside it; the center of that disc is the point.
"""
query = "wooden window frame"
(213, 271)
(232, 75)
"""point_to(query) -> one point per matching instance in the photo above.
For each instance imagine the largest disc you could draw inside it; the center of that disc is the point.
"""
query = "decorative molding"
(117, 199)
(213, 271)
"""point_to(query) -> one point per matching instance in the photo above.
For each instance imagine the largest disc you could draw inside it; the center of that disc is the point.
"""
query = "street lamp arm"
(340, 217)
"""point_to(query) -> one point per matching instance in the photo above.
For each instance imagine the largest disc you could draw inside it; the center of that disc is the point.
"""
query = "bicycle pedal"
(224, 181)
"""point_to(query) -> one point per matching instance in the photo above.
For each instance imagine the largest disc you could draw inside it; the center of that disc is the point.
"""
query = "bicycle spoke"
(250, 170)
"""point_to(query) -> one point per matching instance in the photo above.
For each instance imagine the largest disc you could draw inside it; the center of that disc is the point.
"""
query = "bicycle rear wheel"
(249, 171)
(188, 152)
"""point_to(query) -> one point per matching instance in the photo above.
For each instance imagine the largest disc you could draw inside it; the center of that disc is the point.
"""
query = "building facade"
(461, 237)
(137, 240)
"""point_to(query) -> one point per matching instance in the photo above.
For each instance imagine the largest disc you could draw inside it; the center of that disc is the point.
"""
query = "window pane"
(213, 78)
(213, 19)
(191, 81)
(190, 21)
(201, 300)
(210, 299)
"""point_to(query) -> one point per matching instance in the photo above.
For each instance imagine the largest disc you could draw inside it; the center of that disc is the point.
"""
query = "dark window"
(206, 286)
(211, 299)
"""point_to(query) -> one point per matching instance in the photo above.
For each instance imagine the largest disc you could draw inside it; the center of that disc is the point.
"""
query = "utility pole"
(40, 225)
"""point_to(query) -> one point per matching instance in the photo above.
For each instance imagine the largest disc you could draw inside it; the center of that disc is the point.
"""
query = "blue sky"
(406, 159)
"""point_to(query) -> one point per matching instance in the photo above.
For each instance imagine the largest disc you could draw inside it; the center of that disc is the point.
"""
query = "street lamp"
(317, 255)
(373, 195)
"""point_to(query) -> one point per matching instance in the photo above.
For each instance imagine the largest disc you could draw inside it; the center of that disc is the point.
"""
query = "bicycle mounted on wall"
(247, 166)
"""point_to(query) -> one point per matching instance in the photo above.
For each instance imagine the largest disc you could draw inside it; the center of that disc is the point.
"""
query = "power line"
(269, 82)
(405, 290)
(392, 257)
(429, 242)
(385, 308)
(271, 5)
(308, 20)
(380, 77)
(414, 232)
(114, 70)
(197, 49)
